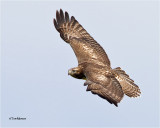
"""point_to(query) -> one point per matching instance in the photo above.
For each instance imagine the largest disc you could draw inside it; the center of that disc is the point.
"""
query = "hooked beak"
(69, 72)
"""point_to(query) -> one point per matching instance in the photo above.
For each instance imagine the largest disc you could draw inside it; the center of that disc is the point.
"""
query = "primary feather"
(84, 46)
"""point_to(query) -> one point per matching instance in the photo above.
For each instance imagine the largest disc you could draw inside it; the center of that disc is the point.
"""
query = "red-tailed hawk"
(93, 63)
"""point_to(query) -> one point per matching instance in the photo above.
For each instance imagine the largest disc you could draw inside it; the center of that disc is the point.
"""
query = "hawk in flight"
(93, 63)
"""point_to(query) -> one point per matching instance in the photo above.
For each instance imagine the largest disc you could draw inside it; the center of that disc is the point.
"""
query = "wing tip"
(66, 16)
(55, 23)
(61, 10)
(72, 18)
(116, 104)
(61, 17)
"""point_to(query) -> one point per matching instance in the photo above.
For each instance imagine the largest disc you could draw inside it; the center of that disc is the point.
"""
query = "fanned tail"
(128, 85)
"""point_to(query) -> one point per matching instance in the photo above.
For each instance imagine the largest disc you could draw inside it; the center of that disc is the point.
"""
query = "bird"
(94, 65)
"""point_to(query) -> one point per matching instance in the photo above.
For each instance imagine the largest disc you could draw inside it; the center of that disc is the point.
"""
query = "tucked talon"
(87, 83)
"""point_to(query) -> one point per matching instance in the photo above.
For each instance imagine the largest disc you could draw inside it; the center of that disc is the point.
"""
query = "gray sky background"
(35, 62)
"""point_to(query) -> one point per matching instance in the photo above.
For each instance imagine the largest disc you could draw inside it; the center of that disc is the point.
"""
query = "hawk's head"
(76, 73)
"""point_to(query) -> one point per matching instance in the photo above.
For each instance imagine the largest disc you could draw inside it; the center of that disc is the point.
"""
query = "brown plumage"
(93, 62)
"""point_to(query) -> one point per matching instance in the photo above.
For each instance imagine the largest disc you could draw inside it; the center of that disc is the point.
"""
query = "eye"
(73, 71)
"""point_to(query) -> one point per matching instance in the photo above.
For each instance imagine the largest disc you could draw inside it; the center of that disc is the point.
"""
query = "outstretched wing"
(84, 46)
(104, 85)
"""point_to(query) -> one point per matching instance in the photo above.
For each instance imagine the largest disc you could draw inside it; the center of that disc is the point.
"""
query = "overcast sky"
(35, 63)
